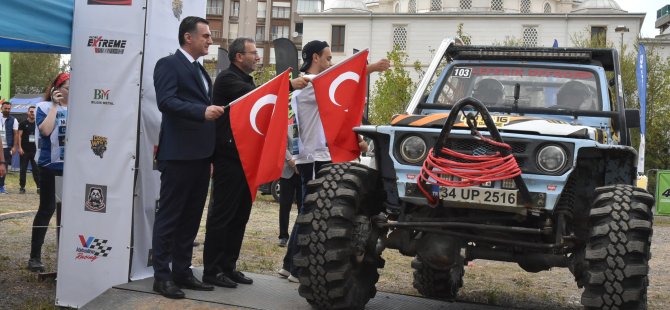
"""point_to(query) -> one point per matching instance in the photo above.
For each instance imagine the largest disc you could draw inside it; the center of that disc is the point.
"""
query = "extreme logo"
(101, 96)
(111, 2)
(96, 198)
(106, 46)
(92, 248)
(98, 145)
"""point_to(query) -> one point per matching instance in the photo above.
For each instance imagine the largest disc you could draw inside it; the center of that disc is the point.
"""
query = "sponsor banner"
(95, 240)
(163, 18)
(5, 76)
(663, 192)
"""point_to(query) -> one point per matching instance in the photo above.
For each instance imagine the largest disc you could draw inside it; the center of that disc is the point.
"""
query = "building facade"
(262, 20)
(418, 26)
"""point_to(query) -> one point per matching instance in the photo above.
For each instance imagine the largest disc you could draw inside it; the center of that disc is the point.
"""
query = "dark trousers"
(45, 211)
(291, 189)
(307, 173)
(227, 217)
(183, 193)
(8, 160)
(25, 159)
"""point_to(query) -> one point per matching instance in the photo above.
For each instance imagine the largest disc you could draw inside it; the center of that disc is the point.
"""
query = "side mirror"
(633, 118)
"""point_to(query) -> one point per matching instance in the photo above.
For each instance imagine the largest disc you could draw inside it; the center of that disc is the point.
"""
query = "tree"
(32, 72)
(658, 96)
(393, 90)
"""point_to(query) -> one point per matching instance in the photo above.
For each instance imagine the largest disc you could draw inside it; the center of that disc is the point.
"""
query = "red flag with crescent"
(259, 121)
(340, 94)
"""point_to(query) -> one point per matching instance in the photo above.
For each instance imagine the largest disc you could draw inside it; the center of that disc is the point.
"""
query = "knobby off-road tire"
(618, 250)
(434, 283)
(337, 240)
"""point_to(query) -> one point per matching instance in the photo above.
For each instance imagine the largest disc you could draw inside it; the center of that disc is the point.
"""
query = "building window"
(235, 9)
(411, 6)
(260, 33)
(547, 8)
(400, 37)
(281, 10)
(466, 4)
(529, 36)
(261, 52)
(496, 5)
(279, 32)
(524, 6)
(337, 39)
(309, 6)
(599, 34)
(214, 7)
(261, 7)
(298, 28)
(216, 34)
(232, 31)
(435, 5)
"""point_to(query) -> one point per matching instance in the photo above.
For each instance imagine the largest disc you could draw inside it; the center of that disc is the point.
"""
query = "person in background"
(27, 151)
(185, 148)
(51, 121)
(291, 190)
(9, 130)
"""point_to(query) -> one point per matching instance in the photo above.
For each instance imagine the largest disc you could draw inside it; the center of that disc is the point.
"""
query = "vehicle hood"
(507, 123)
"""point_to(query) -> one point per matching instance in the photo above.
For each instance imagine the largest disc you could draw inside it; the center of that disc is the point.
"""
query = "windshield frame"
(598, 73)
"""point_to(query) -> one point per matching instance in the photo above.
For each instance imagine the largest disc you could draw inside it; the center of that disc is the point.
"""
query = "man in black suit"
(230, 206)
(186, 145)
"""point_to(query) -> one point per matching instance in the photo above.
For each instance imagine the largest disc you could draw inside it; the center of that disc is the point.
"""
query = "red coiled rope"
(477, 169)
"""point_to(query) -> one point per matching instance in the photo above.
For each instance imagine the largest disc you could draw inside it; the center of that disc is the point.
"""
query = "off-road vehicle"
(509, 154)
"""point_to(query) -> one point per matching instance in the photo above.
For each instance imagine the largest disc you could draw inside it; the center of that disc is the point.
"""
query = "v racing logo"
(92, 248)
(106, 46)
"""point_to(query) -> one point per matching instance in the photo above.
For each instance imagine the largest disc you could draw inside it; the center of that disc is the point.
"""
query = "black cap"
(310, 49)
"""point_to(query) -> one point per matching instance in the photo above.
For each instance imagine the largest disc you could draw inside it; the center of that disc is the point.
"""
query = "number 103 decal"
(462, 72)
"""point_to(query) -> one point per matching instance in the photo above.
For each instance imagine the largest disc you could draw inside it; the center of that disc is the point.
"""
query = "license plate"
(479, 195)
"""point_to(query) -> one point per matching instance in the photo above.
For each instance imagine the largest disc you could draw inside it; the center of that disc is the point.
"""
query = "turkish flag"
(340, 94)
(259, 121)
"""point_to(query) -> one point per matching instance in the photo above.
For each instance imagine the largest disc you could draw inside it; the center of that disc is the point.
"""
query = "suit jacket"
(230, 84)
(182, 99)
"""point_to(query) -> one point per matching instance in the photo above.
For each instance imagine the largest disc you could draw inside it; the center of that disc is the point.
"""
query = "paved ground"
(267, 292)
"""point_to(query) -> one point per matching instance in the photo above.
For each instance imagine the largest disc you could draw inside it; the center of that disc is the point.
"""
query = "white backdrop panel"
(94, 249)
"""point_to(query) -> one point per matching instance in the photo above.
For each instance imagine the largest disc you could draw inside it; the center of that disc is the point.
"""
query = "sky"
(644, 6)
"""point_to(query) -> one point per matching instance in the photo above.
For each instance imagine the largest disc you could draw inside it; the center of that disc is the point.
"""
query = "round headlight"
(413, 149)
(551, 158)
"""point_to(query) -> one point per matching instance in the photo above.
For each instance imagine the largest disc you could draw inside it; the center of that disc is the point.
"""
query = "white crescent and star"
(349, 75)
(263, 101)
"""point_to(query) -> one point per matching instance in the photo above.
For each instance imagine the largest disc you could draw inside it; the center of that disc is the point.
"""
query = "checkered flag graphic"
(100, 247)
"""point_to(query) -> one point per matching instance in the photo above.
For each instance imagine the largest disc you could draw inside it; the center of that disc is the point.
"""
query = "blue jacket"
(182, 99)
(9, 133)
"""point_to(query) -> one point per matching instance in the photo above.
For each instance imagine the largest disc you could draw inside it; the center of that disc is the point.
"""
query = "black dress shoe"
(168, 289)
(239, 277)
(192, 283)
(219, 280)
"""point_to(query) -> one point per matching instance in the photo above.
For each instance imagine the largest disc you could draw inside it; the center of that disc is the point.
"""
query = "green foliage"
(264, 74)
(393, 90)
(658, 96)
(32, 72)
(467, 39)
(509, 41)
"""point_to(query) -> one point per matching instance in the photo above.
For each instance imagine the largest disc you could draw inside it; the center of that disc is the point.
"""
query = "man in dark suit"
(186, 145)
(230, 206)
